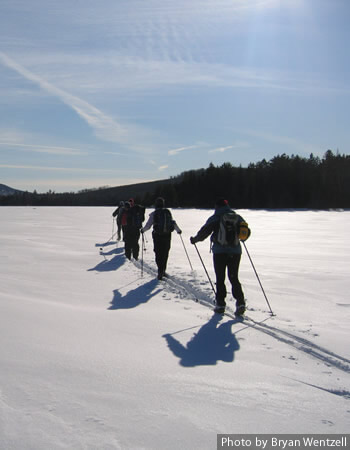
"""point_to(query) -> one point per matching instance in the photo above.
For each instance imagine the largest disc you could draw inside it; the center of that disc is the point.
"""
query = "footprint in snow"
(328, 422)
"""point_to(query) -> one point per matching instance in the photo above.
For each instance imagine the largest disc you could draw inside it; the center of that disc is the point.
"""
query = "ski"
(238, 317)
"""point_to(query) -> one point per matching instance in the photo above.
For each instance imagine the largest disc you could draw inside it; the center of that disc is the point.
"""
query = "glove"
(193, 240)
(179, 232)
(142, 230)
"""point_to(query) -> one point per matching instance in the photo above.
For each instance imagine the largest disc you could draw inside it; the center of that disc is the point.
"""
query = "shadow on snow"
(108, 265)
(214, 342)
(106, 244)
(135, 297)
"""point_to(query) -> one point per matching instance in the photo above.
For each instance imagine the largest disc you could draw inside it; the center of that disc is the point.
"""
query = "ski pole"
(110, 238)
(257, 276)
(145, 237)
(186, 251)
(144, 240)
(104, 256)
(212, 286)
(143, 248)
(142, 262)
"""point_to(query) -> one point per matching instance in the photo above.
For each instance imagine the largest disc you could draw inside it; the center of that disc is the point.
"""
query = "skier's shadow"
(135, 297)
(108, 265)
(214, 342)
(113, 251)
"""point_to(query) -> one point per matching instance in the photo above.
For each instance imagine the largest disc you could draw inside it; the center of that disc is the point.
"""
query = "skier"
(163, 225)
(118, 214)
(225, 256)
(131, 220)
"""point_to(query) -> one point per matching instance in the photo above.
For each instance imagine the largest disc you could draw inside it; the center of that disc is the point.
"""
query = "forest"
(282, 182)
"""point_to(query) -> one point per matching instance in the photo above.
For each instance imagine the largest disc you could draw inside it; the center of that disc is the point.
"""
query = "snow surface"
(97, 354)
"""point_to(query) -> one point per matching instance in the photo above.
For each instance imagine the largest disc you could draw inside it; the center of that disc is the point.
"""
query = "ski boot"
(219, 309)
(240, 309)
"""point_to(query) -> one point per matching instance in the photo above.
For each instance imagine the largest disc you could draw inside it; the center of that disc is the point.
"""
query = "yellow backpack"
(244, 231)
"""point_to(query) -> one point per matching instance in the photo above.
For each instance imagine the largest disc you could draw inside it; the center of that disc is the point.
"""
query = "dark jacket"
(135, 216)
(211, 227)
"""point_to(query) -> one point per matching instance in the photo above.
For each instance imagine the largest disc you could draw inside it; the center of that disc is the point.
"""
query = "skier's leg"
(135, 245)
(156, 249)
(119, 228)
(233, 269)
(127, 248)
(165, 250)
(219, 260)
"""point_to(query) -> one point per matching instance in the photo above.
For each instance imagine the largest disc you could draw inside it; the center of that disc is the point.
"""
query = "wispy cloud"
(116, 153)
(45, 149)
(221, 149)
(124, 74)
(104, 126)
(237, 145)
(162, 51)
(56, 169)
(161, 168)
(181, 149)
(127, 72)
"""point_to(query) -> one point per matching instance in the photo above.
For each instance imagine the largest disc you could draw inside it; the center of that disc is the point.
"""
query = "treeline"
(283, 182)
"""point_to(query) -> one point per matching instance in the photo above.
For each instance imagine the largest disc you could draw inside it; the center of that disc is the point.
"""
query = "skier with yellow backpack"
(227, 229)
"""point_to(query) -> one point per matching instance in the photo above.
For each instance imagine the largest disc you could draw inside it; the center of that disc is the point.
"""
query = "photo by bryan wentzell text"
(283, 442)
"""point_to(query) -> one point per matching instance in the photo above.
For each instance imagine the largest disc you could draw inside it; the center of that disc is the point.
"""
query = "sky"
(117, 92)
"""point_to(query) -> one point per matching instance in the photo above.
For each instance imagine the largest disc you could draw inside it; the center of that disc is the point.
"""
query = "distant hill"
(104, 196)
(7, 190)
(113, 195)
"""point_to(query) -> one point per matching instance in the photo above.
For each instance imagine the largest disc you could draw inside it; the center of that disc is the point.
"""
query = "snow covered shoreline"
(95, 356)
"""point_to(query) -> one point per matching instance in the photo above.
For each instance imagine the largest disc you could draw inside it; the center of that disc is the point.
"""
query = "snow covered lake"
(96, 353)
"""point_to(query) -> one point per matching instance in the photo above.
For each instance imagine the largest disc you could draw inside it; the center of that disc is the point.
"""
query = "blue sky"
(113, 92)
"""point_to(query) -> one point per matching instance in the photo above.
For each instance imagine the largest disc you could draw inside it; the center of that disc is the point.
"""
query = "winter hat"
(220, 202)
(160, 202)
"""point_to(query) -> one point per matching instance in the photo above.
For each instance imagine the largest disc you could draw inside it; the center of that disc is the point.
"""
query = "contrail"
(104, 126)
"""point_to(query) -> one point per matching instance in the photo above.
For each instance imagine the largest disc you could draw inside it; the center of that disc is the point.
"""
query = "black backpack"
(137, 216)
(162, 221)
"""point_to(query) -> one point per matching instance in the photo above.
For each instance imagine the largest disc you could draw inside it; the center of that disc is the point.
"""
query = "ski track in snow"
(94, 379)
(330, 359)
(185, 290)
